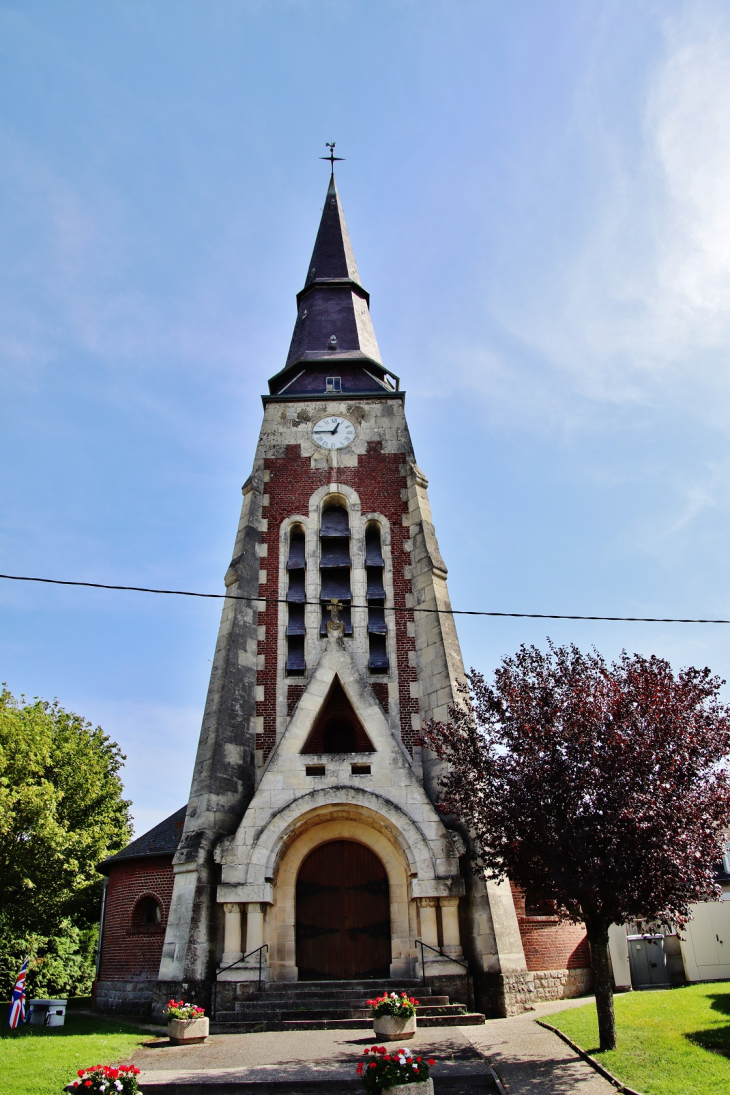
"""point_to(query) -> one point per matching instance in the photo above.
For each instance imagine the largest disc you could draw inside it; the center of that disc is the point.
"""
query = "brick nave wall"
(126, 954)
(549, 945)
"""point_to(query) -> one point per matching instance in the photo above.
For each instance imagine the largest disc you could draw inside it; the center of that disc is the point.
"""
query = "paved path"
(531, 1060)
(528, 1059)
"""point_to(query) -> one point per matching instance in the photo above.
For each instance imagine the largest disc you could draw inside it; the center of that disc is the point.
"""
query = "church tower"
(312, 848)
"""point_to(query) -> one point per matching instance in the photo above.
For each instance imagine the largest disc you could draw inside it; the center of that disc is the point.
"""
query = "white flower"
(415, 1068)
(118, 1085)
(401, 1060)
(393, 995)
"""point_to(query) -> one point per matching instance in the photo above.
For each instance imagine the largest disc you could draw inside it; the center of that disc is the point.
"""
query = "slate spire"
(333, 332)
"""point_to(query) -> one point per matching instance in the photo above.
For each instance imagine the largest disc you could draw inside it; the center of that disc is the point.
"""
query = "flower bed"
(401, 1007)
(382, 1069)
(107, 1080)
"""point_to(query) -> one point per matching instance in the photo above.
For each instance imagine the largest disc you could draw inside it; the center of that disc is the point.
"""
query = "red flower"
(415, 1068)
(81, 1072)
(387, 1057)
(87, 1083)
(76, 1083)
(431, 1061)
(418, 1059)
(372, 1065)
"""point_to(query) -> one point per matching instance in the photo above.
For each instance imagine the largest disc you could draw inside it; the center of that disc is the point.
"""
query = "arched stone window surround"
(319, 827)
(136, 928)
(285, 530)
(385, 544)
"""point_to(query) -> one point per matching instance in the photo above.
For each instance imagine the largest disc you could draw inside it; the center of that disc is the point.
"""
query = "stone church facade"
(312, 848)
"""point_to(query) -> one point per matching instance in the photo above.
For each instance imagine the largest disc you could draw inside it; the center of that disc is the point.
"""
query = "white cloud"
(635, 308)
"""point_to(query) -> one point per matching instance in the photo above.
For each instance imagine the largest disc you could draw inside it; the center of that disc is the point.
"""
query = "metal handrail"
(259, 951)
(438, 950)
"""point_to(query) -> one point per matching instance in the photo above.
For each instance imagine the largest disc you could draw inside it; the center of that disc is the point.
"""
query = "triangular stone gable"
(336, 663)
(337, 728)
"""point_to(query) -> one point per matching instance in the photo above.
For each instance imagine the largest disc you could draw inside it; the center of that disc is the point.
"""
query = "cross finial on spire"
(331, 157)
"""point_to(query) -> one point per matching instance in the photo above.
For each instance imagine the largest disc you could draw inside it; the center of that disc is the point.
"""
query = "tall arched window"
(296, 596)
(334, 564)
(377, 627)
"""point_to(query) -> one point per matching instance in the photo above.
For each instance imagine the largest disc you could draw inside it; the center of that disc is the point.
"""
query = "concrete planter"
(391, 1028)
(187, 1032)
(425, 1087)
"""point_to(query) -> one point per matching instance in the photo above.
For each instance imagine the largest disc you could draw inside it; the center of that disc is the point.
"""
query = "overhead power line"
(391, 608)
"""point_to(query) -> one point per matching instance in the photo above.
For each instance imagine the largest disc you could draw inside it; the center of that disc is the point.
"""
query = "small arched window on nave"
(147, 915)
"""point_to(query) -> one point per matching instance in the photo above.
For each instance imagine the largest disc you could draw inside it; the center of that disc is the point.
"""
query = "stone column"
(232, 934)
(254, 926)
(429, 927)
(450, 925)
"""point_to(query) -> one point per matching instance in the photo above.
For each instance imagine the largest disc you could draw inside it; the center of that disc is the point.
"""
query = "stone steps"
(318, 1004)
(331, 1005)
(288, 1015)
(468, 1019)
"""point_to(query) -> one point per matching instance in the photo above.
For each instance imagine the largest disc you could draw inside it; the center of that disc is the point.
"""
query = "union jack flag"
(17, 1003)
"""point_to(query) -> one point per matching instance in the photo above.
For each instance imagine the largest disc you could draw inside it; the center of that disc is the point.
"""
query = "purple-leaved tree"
(600, 787)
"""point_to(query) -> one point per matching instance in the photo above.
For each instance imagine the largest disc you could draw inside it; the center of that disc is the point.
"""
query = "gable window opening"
(337, 728)
(333, 384)
(375, 596)
(296, 597)
(334, 565)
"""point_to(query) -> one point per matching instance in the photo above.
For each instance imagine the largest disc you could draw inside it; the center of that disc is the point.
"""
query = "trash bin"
(47, 1013)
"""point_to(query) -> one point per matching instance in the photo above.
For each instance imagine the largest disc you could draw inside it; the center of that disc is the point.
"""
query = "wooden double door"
(343, 914)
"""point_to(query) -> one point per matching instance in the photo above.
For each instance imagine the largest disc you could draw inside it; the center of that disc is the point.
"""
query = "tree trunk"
(600, 962)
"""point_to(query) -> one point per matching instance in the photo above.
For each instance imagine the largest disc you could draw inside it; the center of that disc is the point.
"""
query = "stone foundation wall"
(512, 994)
(125, 997)
(192, 992)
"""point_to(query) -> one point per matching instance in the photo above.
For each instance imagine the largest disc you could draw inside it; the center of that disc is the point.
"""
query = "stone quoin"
(311, 847)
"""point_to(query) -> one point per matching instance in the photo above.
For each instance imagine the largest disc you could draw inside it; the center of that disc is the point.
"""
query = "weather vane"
(331, 157)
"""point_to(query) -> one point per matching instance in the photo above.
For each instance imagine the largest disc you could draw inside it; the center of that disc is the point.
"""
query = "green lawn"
(673, 1042)
(40, 1061)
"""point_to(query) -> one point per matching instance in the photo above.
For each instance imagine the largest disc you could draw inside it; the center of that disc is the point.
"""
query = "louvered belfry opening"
(337, 729)
(375, 595)
(296, 596)
(334, 564)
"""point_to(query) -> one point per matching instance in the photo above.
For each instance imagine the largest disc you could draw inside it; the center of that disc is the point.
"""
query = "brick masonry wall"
(548, 945)
(380, 485)
(128, 954)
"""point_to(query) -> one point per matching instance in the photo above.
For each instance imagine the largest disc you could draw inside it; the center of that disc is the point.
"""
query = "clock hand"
(327, 431)
(337, 427)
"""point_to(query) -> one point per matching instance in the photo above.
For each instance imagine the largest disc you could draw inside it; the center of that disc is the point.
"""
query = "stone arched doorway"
(342, 914)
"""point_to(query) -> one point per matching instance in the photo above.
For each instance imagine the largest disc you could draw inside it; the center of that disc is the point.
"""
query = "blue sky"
(537, 196)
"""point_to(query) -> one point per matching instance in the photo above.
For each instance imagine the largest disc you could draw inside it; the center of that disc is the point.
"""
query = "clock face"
(334, 432)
